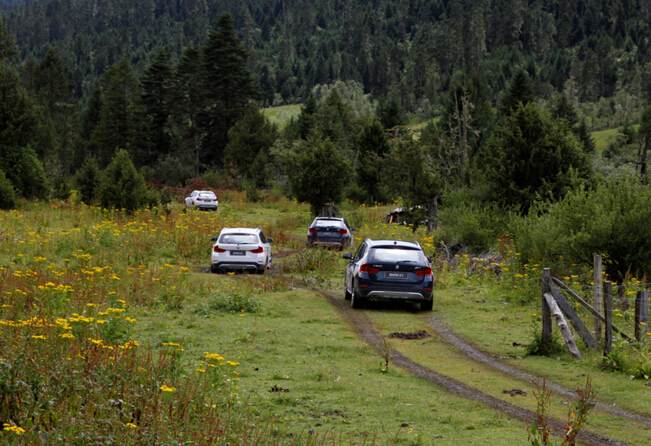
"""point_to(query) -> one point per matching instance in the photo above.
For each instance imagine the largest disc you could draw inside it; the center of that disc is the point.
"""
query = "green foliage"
(7, 192)
(519, 93)
(121, 186)
(228, 86)
(317, 172)
(531, 157)
(236, 302)
(471, 224)
(87, 179)
(122, 116)
(610, 220)
(537, 347)
(250, 140)
(390, 113)
(372, 145)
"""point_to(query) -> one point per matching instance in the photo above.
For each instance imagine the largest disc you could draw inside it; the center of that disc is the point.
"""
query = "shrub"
(7, 192)
(122, 186)
(87, 179)
(235, 302)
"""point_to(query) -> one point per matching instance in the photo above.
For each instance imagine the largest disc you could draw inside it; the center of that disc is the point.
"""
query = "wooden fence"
(556, 305)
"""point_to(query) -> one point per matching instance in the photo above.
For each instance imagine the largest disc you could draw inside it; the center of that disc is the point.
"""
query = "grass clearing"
(126, 300)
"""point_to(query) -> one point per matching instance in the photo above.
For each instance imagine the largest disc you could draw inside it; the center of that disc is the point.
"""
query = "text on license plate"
(395, 275)
(237, 253)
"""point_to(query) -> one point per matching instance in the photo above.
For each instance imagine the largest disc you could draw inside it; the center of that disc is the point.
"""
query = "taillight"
(198, 199)
(258, 250)
(365, 268)
(218, 249)
(312, 230)
(342, 231)
(427, 271)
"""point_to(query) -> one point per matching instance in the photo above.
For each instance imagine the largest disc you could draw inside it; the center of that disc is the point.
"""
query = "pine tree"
(228, 86)
(122, 124)
(188, 104)
(519, 91)
(156, 96)
(372, 145)
(249, 141)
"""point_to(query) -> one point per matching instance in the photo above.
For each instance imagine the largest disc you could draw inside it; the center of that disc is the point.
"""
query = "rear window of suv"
(396, 254)
(234, 239)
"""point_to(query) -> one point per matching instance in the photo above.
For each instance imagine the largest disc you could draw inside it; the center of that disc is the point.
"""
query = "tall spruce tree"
(188, 104)
(122, 124)
(519, 91)
(156, 95)
(372, 145)
(228, 86)
(249, 142)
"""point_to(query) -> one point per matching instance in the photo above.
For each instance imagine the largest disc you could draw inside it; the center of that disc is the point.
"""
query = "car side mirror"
(352, 229)
(270, 240)
(429, 260)
(348, 256)
(214, 239)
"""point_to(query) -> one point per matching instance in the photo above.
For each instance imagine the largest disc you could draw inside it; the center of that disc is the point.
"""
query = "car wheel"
(214, 269)
(355, 301)
(347, 294)
(427, 305)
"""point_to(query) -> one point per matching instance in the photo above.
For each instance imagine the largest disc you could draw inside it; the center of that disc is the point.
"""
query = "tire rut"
(363, 326)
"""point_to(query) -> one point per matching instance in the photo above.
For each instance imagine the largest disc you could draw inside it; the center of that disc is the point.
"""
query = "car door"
(266, 243)
(351, 267)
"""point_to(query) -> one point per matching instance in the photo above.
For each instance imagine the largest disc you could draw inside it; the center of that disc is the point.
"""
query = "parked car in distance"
(241, 249)
(203, 200)
(331, 232)
(389, 270)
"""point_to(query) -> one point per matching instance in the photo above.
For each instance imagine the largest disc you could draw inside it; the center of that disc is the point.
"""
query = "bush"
(87, 179)
(122, 186)
(7, 192)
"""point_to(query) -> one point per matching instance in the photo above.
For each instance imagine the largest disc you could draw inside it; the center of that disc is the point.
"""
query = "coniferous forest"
(508, 93)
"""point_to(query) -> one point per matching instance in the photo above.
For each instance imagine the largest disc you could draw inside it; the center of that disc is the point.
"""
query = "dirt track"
(360, 323)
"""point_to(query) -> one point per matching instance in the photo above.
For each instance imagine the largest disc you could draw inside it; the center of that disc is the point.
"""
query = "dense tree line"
(410, 48)
(510, 86)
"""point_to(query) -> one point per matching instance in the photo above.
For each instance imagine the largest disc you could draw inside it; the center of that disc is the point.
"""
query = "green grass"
(603, 137)
(283, 114)
(289, 362)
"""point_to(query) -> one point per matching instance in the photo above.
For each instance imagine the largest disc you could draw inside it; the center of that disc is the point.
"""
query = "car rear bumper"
(394, 293)
(237, 266)
(212, 207)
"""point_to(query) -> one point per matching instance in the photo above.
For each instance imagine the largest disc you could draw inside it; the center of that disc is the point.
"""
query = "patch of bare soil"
(359, 322)
(417, 335)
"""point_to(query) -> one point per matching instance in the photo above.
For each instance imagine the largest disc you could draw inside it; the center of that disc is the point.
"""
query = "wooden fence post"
(546, 336)
(608, 313)
(641, 315)
(598, 287)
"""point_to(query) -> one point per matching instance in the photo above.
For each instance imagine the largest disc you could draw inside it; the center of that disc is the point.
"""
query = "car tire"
(356, 302)
(427, 305)
(214, 269)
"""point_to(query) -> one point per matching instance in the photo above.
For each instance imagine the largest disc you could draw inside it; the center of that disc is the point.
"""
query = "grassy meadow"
(113, 332)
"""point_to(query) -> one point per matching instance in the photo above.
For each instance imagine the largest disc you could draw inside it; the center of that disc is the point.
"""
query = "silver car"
(203, 200)
(241, 249)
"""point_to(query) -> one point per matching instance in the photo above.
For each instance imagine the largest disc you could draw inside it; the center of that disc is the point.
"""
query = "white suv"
(241, 249)
(203, 200)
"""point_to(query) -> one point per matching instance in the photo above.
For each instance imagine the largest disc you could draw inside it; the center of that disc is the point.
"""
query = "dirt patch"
(417, 335)
(360, 323)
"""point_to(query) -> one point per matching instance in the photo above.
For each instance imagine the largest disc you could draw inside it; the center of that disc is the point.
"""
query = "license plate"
(395, 275)
(326, 234)
(237, 253)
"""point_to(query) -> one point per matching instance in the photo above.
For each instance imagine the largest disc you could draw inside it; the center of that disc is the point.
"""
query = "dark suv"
(389, 270)
(330, 231)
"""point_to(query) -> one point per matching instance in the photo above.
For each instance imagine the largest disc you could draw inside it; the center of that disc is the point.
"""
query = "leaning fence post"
(546, 336)
(641, 315)
(608, 313)
(598, 287)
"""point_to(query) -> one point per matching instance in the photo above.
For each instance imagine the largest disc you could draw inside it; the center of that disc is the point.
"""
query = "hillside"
(592, 50)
